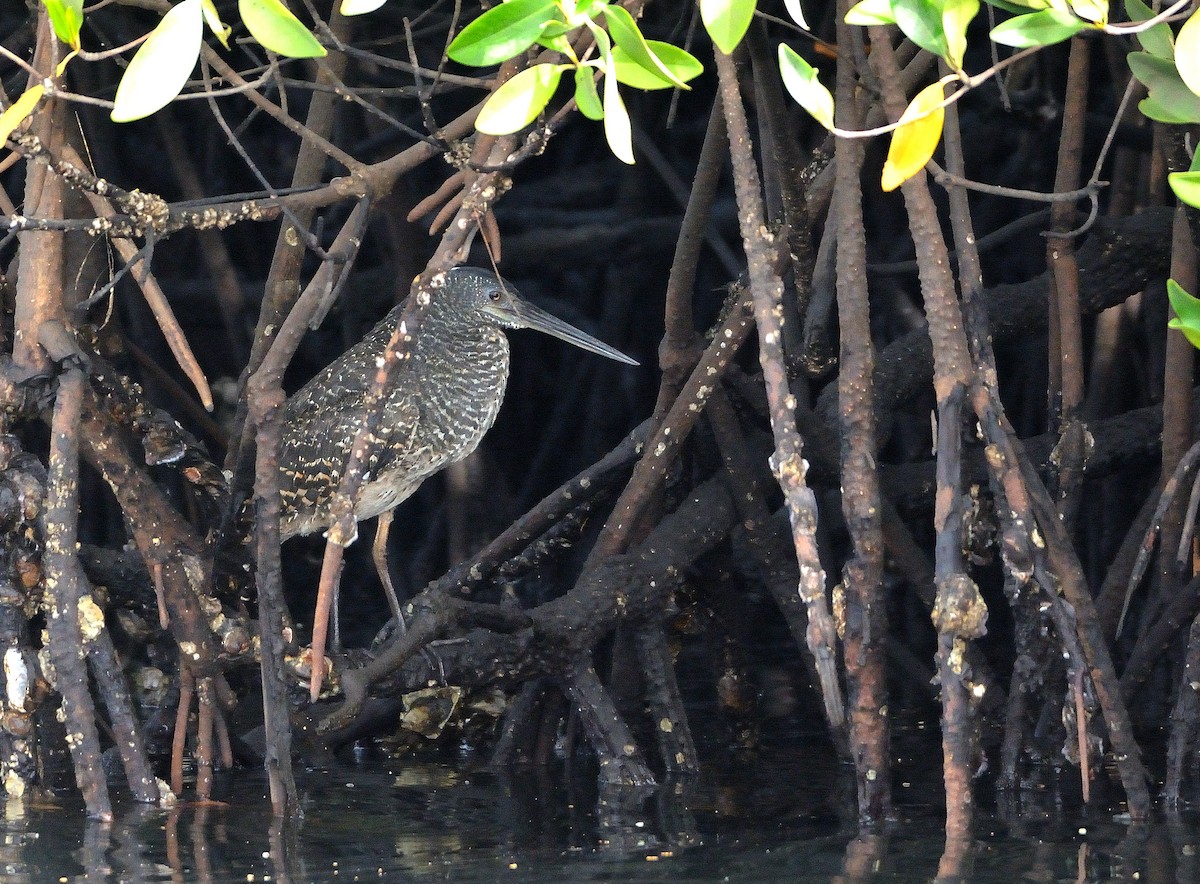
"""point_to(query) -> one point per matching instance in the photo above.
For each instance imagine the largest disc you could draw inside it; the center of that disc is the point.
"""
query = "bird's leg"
(383, 527)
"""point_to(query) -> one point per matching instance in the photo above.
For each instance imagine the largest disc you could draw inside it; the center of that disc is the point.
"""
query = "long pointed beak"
(529, 316)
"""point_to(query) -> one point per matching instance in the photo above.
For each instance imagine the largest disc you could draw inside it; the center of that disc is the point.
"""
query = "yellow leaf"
(19, 110)
(913, 143)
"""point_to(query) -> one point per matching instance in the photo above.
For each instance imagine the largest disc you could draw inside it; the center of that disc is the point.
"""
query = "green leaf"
(558, 43)
(66, 17)
(1186, 186)
(626, 35)
(1158, 40)
(1168, 92)
(871, 12)
(578, 13)
(726, 21)
(921, 22)
(591, 8)
(617, 128)
(586, 95)
(682, 64)
(274, 26)
(1187, 312)
(554, 36)
(800, 80)
(501, 33)
(360, 7)
(555, 28)
(162, 65)
(213, 19)
(1152, 110)
(1043, 28)
(517, 103)
(16, 112)
(956, 15)
(1187, 52)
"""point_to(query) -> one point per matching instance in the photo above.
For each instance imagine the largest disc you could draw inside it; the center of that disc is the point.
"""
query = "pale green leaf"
(16, 112)
(1157, 40)
(626, 35)
(213, 19)
(726, 21)
(1186, 186)
(956, 15)
(162, 65)
(517, 103)
(1187, 312)
(1091, 10)
(618, 131)
(681, 63)
(617, 128)
(1043, 28)
(273, 25)
(913, 144)
(1187, 52)
(360, 7)
(796, 12)
(868, 13)
(66, 17)
(586, 96)
(504, 31)
(800, 80)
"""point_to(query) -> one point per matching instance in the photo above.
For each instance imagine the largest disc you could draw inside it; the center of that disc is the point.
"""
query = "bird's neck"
(444, 335)
(462, 373)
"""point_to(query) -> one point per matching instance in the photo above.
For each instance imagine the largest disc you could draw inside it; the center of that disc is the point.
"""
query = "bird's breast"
(442, 403)
(461, 393)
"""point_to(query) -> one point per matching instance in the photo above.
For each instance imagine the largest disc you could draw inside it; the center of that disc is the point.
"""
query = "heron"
(439, 404)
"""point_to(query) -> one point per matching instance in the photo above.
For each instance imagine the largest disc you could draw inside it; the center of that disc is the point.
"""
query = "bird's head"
(473, 291)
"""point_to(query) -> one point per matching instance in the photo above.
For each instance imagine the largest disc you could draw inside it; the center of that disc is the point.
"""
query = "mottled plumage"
(441, 401)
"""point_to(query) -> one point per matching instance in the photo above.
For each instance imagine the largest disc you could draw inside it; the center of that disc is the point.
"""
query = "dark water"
(784, 814)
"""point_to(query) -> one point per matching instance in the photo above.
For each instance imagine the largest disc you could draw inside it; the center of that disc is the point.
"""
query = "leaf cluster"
(623, 57)
(601, 45)
(1168, 65)
(160, 69)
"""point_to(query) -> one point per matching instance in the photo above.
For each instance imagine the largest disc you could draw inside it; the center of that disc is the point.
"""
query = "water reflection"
(780, 815)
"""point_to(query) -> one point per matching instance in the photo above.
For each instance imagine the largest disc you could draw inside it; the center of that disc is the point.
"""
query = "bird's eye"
(494, 294)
